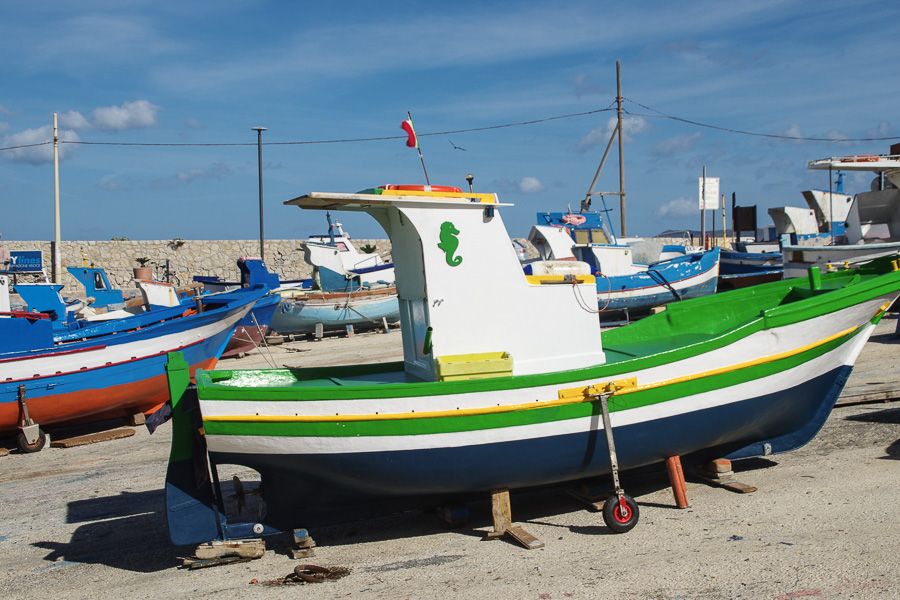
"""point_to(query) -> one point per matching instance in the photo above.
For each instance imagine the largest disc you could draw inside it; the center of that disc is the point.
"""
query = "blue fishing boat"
(55, 369)
(622, 284)
(252, 329)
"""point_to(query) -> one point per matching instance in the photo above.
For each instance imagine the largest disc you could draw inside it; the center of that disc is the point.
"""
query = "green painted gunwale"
(684, 329)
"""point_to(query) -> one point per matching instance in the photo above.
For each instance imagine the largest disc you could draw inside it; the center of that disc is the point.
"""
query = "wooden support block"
(518, 533)
(350, 332)
(194, 563)
(384, 324)
(320, 331)
(501, 513)
(3, 451)
(137, 419)
(248, 549)
(275, 340)
(298, 553)
(676, 480)
(92, 438)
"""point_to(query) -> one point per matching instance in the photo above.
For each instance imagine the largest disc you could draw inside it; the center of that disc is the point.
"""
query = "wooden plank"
(137, 419)
(248, 549)
(3, 451)
(92, 438)
(501, 513)
(518, 533)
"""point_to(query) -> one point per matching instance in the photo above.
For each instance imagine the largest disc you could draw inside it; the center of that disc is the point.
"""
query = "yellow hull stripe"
(567, 396)
(539, 279)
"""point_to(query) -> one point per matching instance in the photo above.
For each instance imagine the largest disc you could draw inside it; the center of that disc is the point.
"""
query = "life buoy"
(420, 188)
(572, 219)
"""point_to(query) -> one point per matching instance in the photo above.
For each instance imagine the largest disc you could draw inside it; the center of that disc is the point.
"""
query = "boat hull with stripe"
(117, 374)
(746, 373)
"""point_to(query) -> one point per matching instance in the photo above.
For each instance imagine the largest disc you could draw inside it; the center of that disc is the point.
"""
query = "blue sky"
(206, 72)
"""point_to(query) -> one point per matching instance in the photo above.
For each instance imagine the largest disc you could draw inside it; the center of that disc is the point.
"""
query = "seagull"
(455, 147)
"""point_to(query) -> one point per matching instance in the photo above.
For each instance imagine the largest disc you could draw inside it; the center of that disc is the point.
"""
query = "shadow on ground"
(127, 532)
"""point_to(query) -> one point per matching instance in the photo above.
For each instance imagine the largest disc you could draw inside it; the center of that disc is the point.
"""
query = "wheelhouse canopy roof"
(366, 199)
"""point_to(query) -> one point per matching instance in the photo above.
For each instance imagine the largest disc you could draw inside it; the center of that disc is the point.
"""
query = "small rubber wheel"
(620, 517)
(27, 448)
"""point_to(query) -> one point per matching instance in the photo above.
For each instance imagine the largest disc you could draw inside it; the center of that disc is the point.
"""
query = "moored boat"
(622, 284)
(92, 371)
(492, 393)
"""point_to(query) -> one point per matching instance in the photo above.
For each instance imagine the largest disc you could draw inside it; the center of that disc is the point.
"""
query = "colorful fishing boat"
(90, 371)
(339, 267)
(252, 329)
(493, 393)
(622, 284)
(301, 312)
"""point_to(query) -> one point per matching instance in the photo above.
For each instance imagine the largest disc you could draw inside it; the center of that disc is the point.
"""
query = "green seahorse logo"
(449, 243)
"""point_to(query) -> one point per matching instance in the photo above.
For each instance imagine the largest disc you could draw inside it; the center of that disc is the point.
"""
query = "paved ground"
(87, 522)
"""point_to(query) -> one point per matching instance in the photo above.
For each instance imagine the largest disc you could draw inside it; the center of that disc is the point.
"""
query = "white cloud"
(4, 110)
(3, 126)
(192, 123)
(214, 171)
(37, 155)
(631, 126)
(74, 120)
(138, 114)
(530, 185)
(679, 207)
(676, 145)
(882, 130)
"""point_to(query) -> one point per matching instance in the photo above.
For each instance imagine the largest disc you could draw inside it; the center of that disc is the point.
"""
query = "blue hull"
(124, 385)
(297, 486)
(663, 282)
(741, 263)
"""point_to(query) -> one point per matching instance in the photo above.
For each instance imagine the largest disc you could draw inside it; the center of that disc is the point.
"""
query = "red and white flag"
(412, 141)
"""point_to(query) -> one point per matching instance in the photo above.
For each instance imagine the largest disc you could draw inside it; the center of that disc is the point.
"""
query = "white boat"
(871, 221)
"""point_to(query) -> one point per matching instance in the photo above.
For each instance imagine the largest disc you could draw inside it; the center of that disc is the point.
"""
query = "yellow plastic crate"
(480, 365)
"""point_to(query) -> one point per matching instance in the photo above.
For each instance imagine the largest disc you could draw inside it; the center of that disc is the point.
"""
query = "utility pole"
(621, 148)
(262, 236)
(57, 253)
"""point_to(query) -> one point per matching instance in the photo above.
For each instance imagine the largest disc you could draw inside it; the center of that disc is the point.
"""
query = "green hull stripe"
(525, 417)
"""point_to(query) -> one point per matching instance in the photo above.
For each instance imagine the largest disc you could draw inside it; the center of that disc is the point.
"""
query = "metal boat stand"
(620, 512)
(30, 437)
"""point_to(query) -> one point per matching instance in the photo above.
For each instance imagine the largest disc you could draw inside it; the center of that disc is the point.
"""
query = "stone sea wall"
(186, 257)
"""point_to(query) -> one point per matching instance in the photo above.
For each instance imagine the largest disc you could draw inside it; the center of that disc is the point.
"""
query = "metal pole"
(724, 224)
(421, 157)
(621, 148)
(830, 205)
(262, 235)
(702, 209)
(586, 203)
(57, 253)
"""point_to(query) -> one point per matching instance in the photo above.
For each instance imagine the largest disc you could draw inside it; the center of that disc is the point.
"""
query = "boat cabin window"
(591, 236)
(98, 281)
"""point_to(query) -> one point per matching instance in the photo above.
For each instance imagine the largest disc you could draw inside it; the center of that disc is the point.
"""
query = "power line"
(26, 146)
(777, 136)
(331, 141)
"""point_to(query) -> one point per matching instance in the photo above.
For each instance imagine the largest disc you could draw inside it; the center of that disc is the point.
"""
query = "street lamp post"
(262, 236)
